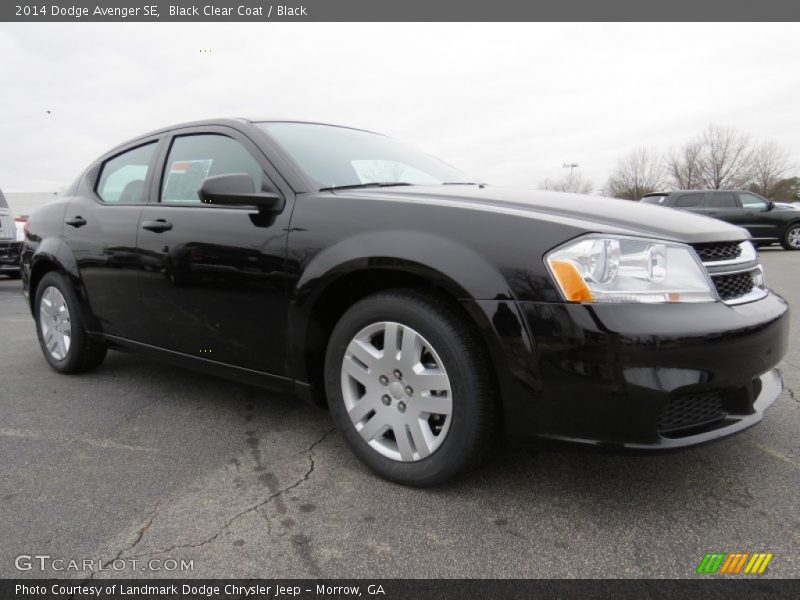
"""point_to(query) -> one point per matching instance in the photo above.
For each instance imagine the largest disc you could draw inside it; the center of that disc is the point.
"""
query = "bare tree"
(573, 183)
(636, 174)
(770, 164)
(683, 167)
(725, 158)
(720, 158)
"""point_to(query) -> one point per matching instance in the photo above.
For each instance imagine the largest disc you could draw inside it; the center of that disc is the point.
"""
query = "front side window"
(192, 158)
(659, 199)
(689, 200)
(122, 178)
(337, 156)
(752, 202)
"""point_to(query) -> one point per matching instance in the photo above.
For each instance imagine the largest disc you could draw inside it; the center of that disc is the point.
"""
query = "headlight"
(603, 268)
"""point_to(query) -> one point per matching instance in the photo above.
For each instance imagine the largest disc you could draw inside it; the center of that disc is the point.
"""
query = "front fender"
(469, 275)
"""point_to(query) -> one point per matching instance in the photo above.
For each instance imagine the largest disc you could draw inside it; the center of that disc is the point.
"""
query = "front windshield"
(341, 157)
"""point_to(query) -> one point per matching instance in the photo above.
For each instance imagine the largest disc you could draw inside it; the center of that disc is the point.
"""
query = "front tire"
(791, 237)
(59, 326)
(409, 385)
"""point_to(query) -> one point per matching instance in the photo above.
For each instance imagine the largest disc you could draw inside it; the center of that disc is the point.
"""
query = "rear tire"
(435, 382)
(59, 326)
(791, 237)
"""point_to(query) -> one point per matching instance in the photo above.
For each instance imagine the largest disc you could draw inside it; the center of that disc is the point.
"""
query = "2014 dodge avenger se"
(430, 312)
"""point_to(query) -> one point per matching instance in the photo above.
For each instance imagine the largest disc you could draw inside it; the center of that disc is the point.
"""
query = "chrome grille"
(734, 270)
(7, 227)
(734, 285)
(718, 251)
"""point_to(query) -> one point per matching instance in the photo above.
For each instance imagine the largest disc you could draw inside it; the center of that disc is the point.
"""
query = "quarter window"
(123, 177)
(192, 158)
(722, 200)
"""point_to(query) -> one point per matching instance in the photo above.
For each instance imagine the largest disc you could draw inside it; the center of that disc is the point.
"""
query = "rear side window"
(122, 178)
(722, 200)
(192, 158)
(688, 200)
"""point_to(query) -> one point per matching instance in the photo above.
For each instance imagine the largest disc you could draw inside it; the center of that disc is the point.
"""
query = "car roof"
(234, 122)
(738, 191)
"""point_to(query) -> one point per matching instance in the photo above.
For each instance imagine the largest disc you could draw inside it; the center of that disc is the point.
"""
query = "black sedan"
(430, 312)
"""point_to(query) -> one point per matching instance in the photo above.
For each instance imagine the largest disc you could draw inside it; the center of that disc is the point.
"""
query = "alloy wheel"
(793, 237)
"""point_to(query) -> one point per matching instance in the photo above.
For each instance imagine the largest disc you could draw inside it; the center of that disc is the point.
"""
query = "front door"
(756, 217)
(212, 278)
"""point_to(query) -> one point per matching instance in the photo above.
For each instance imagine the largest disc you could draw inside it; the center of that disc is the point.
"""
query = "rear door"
(722, 205)
(213, 277)
(688, 201)
(101, 224)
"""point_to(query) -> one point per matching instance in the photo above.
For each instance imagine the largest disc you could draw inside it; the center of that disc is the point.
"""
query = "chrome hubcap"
(794, 237)
(55, 323)
(396, 391)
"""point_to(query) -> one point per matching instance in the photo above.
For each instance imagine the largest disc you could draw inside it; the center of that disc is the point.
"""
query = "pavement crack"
(140, 534)
(253, 508)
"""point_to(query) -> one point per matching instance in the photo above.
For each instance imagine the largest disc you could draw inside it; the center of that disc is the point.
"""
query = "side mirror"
(237, 189)
(770, 205)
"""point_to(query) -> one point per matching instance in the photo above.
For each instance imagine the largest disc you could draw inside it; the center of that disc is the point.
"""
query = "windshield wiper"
(461, 183)
(356, 186)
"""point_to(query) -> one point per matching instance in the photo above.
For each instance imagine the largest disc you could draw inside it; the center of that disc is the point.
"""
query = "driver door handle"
(76, 221)
(157, 226)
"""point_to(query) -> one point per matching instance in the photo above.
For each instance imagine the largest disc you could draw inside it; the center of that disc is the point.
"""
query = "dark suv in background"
(768, 222)
(9, 245)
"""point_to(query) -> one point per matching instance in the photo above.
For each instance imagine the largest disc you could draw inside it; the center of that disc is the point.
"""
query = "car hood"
(590, 213)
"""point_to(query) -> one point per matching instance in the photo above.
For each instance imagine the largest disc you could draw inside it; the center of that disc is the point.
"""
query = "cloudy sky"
(508, 103)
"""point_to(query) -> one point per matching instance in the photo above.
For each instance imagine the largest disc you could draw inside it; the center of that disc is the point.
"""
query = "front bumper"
(648, 376)
(9, 256)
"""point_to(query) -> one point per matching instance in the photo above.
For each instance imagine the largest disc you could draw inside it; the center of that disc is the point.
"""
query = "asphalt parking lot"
(141, 460)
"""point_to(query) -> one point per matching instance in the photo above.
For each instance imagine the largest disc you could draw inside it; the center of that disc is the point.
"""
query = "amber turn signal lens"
(571, 282)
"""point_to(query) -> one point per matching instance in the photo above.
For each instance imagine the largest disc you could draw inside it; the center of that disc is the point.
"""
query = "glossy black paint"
(253, 294)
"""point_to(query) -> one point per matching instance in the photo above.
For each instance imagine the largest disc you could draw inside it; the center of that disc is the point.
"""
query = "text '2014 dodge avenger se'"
(429, 312)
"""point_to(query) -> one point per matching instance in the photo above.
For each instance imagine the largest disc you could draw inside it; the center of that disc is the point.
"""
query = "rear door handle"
(76, 221)
(158, 225)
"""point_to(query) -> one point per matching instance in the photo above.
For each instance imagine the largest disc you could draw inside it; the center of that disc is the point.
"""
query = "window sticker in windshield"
(184, 178)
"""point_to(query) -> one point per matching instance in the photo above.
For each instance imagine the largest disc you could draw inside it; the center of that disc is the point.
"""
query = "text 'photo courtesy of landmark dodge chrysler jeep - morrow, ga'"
(430, 312)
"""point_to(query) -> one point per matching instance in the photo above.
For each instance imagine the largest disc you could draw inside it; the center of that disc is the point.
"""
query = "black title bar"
(398, 10)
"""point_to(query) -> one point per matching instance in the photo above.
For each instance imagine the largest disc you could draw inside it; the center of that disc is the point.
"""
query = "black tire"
(792, 230)
(84, 353)
(474, 418)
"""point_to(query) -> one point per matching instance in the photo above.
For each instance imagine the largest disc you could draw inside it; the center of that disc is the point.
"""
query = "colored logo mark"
(734, 563)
